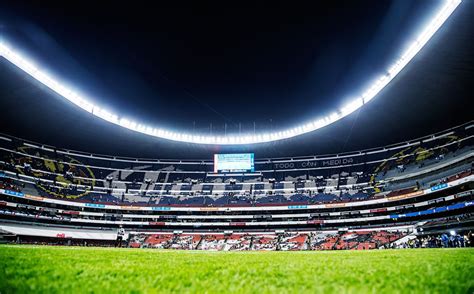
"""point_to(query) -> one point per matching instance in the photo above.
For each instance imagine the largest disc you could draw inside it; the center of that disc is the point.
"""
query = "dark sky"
(186, 65)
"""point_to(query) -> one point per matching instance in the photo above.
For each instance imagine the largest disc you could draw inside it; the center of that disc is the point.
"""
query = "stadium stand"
(376, 196)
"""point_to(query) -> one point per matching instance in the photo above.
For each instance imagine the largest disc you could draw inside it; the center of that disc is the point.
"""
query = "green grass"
(29, 269)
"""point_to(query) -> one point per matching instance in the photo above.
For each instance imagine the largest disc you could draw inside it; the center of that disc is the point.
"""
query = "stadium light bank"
(439, 17)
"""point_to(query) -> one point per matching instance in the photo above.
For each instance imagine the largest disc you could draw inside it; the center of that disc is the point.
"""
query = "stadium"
(183, 190)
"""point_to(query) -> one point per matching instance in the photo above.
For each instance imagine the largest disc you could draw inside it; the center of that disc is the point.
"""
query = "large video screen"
(235, 162)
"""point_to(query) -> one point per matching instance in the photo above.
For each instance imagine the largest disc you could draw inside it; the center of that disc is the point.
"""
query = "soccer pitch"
(30, 269)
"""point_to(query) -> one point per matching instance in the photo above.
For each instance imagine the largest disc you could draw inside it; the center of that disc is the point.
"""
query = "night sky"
(190, 65)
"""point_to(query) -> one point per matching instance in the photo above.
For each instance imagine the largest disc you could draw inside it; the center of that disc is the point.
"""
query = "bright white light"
(85, 103)
(453, 233)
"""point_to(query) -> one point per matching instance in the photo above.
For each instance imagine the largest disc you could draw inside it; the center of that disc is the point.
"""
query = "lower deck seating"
(266, 241)
(354, 240)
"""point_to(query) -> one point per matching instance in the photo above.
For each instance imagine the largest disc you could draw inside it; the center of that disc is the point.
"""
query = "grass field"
(29, 269)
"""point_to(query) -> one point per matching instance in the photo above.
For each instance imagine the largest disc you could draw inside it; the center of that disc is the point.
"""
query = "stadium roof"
(423, 76)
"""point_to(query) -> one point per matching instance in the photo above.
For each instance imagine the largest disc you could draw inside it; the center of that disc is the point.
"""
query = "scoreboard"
(234, 162)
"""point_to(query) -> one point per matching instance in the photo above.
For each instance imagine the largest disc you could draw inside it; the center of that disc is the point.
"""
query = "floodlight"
(13, 55)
